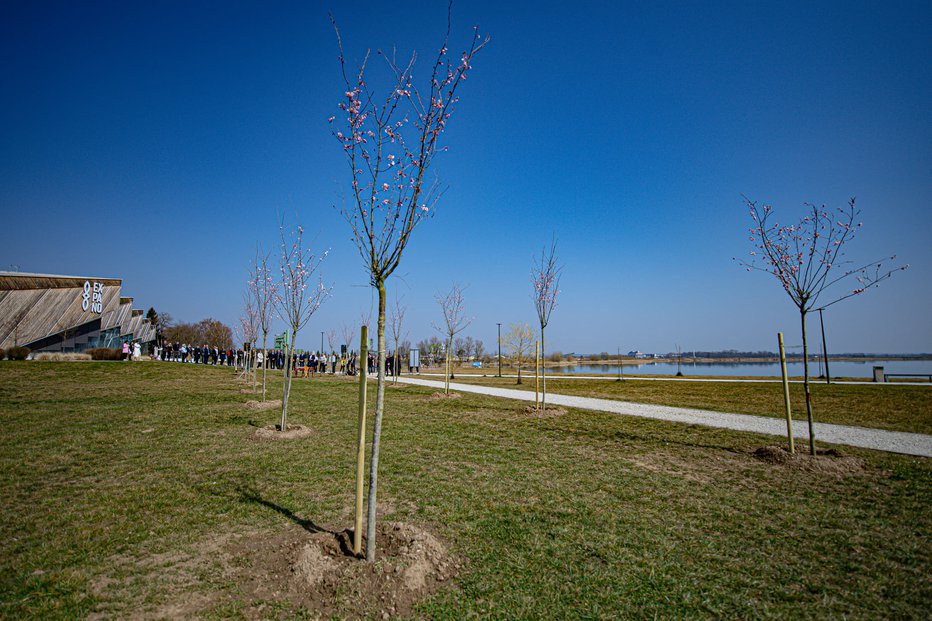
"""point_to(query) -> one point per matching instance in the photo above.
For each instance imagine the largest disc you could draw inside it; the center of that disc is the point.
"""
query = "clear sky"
(157, 142)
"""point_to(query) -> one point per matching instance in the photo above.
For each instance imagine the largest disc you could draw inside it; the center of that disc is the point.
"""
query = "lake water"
(837, 368)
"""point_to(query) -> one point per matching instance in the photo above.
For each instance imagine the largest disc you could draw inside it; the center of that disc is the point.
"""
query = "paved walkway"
(890, 441)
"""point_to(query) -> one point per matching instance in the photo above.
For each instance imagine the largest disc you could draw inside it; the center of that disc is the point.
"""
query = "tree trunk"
(543, 374)
(377, 432)
(286, 390)
(519, 373)
(802, 318)
(447, 367)
(265, 360)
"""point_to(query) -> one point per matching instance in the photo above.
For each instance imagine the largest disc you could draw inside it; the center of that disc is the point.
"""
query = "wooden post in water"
(786, 393)
(361, 441)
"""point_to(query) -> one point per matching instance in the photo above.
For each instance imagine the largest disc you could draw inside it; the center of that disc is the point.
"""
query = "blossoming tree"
(264, 289)
(248, 332)
(299, 296)
(545, 278)
(389, 140)
(808, 258)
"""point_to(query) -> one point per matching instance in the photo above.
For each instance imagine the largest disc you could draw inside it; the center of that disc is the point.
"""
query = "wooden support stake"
(786, 393)
(361, 441)
(536, 375)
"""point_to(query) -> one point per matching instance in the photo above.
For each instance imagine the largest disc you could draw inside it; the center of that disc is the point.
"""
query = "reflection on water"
(837, 368)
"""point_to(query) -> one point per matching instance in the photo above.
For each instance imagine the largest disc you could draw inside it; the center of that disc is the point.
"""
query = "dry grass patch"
(261, 406)
(61, 357)
(713, 466)
(273, 432)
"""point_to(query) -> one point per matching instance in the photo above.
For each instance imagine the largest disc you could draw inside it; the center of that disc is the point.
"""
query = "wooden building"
(67, 313)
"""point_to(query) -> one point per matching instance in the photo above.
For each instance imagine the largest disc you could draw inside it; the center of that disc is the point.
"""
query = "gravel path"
(890, 441)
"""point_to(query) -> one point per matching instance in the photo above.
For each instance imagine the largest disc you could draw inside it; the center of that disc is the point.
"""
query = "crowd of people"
(200, 354)
(303, 362)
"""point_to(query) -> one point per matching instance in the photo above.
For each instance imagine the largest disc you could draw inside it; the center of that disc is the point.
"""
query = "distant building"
(638, 354)
(67, 313)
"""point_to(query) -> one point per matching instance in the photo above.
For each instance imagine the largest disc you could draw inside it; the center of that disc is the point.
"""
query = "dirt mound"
(318, 571)
(294, 431)
(826, 461)
(550, 411)
(440, 395)
(263, 405)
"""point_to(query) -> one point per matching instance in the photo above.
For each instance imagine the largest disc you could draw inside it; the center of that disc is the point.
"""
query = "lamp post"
(321, 341)
(499, 349)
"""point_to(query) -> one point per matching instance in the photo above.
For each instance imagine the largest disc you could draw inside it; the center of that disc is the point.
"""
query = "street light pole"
(499, 349)
(321, 341)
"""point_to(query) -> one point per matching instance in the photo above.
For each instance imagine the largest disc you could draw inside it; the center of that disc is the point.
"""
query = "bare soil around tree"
(261, 406)
(319, 572)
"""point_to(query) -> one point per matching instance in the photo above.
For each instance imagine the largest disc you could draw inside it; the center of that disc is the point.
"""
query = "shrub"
(105, 353)
(17, 353)
(61, 356)
(2, 353)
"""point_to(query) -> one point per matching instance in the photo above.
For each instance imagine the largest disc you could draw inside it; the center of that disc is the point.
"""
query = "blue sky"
(159, 142)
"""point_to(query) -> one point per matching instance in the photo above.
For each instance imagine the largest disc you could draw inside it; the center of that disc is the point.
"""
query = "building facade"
(68, 313)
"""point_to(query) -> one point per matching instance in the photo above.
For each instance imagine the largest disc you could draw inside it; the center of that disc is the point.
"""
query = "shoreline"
(764, 360)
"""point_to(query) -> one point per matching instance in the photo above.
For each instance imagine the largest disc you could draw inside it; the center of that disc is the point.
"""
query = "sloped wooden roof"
(19, 281)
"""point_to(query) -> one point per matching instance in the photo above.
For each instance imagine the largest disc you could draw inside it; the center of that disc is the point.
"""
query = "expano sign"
(93, 297)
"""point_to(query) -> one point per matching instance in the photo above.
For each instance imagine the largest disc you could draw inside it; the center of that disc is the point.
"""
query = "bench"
(889, 375)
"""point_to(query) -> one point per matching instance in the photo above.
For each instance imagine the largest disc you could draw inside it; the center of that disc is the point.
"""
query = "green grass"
(113, 472)
(897, 408)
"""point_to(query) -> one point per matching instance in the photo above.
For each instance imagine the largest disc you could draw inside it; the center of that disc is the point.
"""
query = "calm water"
(861, 368)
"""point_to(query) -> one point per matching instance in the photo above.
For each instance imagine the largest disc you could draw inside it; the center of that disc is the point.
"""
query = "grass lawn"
(895, 407)
(122, 485)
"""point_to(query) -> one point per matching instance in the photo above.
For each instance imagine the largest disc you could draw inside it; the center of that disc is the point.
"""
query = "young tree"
(264, 290)
(545, 277)
(518, 342)
(807, 259)
(346, 333)
(249, 329)
(396, 322)
(389, 141)
(453, 308)
(299, 296)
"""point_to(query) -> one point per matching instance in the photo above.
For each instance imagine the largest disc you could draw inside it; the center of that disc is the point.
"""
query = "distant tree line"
(205, 332)
(465, 349)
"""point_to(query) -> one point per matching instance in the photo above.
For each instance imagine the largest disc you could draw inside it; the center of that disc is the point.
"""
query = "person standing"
(125, 355)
